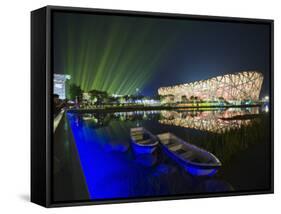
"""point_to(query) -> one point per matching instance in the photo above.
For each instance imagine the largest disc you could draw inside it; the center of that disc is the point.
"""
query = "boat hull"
(139, 146)
(140, 149)
(208, 165)
(191, 168)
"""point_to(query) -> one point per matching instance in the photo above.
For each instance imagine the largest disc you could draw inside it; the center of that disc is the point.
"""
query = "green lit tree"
(101, 97)
(75, 91)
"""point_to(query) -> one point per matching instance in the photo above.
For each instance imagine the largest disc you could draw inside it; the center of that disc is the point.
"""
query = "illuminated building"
(59, 84)
(235, 87)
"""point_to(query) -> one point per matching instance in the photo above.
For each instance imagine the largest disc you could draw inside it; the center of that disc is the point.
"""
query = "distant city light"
(266, 109)
(116, 95)
(146, 101)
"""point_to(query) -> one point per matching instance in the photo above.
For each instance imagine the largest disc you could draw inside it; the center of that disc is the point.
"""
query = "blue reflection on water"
(112, 169)
(105, 174)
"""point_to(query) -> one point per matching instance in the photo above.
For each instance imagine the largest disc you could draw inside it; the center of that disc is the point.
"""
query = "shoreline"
(151, 108)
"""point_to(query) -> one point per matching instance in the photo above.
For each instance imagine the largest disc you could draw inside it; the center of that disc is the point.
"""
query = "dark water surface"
(112, 169)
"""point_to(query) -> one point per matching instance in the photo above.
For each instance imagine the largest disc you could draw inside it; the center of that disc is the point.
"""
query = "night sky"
(119, 54)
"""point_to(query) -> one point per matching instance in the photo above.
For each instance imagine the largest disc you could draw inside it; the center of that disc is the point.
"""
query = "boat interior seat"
(175, 148)
(148, 141)
(138, 137)
(165, 142)
(136, 133)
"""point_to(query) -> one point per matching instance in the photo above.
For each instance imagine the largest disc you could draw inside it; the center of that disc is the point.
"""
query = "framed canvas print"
(139, 106)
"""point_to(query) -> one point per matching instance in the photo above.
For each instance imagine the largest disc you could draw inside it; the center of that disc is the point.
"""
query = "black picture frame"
(41, 108)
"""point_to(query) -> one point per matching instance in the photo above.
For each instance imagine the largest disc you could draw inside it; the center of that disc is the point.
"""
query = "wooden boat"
(195, 160)
(143, 141)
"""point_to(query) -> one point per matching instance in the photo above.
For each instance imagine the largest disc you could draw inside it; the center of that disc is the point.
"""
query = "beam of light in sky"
(116, 55)
(119, 54)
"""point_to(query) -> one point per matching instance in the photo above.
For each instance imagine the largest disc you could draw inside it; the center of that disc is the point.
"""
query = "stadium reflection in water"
(212, 121)
(112, 169)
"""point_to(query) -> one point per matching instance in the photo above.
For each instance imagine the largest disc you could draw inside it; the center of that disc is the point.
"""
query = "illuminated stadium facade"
(240, 86)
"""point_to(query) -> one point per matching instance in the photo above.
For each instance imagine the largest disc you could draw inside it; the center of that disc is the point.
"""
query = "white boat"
(195, 160)
(143, 141)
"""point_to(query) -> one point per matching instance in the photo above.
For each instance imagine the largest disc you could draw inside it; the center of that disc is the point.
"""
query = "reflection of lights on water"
(145, 114)
(77, 122)
(137, 124)
(207, 121)
(266, 109)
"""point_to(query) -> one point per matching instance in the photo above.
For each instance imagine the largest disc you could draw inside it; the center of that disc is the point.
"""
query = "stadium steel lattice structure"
(240, 86)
